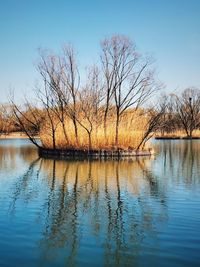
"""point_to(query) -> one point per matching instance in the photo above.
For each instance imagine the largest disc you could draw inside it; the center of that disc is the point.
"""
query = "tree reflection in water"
(107, 203)
(180, 161)
(110, 213)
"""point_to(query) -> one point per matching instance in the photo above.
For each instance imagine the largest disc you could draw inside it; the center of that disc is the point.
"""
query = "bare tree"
(128, 78)
(29, 120)
(154, 121)
(95, 86)
(108, 72)
(51, 68)
(89, 109)
(188, 109)
(50, 73)
(170, 120)
(7, 121)
(58, 93)
(71, 80)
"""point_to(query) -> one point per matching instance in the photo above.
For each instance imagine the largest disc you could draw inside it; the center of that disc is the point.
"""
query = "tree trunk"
(190, 133)
(54, 138)
(65, 134)
(90, 141)
(75, 129)
(117, 130)
(105, 123)
(187, 133)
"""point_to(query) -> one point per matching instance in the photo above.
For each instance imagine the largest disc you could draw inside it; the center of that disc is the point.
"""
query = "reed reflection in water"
(179, 161)
(97, 213)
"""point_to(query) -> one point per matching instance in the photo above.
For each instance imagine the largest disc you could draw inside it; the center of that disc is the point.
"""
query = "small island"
(102, 115)
(110, 111)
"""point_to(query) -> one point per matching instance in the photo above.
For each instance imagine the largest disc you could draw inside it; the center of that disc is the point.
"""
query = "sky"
(169, 30)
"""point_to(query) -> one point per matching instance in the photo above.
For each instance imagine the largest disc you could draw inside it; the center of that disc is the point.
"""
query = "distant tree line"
(182, 112)
(8, 122)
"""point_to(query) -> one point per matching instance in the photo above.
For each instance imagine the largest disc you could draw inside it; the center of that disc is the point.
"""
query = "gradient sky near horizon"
(167, 29)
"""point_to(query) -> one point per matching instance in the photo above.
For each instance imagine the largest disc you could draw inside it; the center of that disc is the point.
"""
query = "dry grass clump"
(131, 130)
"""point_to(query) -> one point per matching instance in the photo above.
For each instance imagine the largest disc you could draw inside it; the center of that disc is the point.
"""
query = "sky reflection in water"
(140, 212)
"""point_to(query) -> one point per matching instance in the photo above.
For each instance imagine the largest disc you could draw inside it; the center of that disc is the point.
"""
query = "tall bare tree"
(49, 69)
(71, 80)
(128, 77)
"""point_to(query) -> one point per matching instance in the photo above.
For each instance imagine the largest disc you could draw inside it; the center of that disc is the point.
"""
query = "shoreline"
(176, 138)
(15, 135)
(75, 153)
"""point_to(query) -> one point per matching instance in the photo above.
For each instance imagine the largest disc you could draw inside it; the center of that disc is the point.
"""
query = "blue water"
(139, 212)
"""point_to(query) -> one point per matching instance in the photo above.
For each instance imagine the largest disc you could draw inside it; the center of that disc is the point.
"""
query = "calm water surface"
(143, 212)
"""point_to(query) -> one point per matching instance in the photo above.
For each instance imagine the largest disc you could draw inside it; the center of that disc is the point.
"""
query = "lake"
(136, 212)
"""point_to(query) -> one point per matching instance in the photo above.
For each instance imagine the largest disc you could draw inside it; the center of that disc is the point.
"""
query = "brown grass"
(131, 130)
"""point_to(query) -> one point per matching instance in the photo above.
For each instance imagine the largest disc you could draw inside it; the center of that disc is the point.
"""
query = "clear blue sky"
(168, 29)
